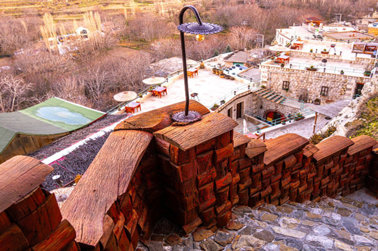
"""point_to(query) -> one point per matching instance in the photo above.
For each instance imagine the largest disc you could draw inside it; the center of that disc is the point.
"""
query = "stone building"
(315, 80)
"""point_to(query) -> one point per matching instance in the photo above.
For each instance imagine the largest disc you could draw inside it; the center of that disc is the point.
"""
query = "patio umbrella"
(125, 96)
(279, 48)
(154, 81)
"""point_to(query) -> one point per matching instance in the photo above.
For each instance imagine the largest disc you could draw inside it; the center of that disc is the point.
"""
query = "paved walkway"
(303, 128)
(345, 223)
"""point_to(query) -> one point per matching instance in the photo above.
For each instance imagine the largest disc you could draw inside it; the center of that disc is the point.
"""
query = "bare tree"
(242, 37)
(13, 92)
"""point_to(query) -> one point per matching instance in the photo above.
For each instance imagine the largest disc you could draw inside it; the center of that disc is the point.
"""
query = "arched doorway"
(272, 115)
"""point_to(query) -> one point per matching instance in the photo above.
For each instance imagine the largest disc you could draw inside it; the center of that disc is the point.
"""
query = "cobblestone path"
(342, 223)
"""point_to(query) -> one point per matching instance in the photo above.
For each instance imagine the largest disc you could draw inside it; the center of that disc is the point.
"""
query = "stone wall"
(248, 100)
(272, 106)
(339, 86)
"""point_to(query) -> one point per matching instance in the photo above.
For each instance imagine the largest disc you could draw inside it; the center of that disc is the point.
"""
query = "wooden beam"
(106, 178)
(361, 143)
(331, 146)
(188, 136)
(240, 139)
(283, 146)
(19, 176)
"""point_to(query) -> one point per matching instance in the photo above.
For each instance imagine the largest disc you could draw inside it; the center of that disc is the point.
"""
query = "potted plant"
(324, 51)
(311, 50)
(367, 73)
(311, 68)
(298, 116)
(282, 65)
(263, 86)
(342, 72)
(215, 106)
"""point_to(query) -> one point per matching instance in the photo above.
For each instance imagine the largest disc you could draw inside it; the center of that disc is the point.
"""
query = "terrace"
(335, 67)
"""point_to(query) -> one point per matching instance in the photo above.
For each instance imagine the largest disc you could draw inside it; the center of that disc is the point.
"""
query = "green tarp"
(54, 116)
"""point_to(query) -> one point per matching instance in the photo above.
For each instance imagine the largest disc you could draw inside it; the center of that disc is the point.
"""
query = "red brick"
(206, 177)
(275, 178)
(208, 215)
(244, 163)
(237, 154)
(187, 171)
(224, 153)
(223, 219)
(301, 189)
(258, 168)
(234, 167)
(243, 197)
(266, 191)
(267, 172)
(299, 156)
(223, 140)
(235, 179)
(246, 184)
(226, 180)
(256, 180)
(245, 174)
(222, 195)
(41, 222)
(188, 228)
(295, 184)
(204, 161)
(204, 147)
(185, 188)
(206, 192)
(162, 146)
(290, 161)
(131, 224)
(179, 156)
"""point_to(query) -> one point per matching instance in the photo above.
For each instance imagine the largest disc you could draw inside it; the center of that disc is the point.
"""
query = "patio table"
(132, 107)
(158, 91)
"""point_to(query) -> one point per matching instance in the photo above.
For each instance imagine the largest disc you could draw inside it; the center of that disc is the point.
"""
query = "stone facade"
(248, 105)
(302, 82)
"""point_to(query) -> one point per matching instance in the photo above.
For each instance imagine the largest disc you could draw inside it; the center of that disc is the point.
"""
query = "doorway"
(239, 110)
(358, 89)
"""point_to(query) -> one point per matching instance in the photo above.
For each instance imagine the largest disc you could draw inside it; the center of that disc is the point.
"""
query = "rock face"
(350, 113)
(330, 224)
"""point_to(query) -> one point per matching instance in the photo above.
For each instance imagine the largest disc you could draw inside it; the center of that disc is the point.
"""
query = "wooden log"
(361, 143)
(18, 177)
(158, 119)
(13, 239)
(240, 139)
(188, 136)
(61, 238)
(283, 146)
(331, 146)
(254, 148)
(107, 177)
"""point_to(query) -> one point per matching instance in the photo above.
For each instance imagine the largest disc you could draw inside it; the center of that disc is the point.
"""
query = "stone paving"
(343, 223)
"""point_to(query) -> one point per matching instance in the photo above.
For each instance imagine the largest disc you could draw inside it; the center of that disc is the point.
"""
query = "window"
(285, 85)
(324, 91)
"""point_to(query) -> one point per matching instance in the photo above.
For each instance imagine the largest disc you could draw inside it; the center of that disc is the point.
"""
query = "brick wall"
(200, 185)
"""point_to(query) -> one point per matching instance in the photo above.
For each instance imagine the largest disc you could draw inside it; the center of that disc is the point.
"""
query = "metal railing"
(323, 68)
